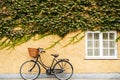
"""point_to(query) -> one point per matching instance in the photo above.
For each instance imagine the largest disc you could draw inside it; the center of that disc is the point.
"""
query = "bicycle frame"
(38, 60)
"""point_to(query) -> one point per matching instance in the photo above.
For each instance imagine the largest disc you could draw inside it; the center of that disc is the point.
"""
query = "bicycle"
(62, 69)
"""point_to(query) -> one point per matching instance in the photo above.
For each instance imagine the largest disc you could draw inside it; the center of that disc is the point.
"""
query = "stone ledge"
(78, 76)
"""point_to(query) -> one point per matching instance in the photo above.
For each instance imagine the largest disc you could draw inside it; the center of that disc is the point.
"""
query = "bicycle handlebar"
(41, 50)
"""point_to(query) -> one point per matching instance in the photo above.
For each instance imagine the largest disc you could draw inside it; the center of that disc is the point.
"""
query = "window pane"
(90, 52)
(105, 44)
(89, 36)
(96, 44)
(105, 36)
(112, 36)
(96, 36)
(112, 44)
(96, 52)
(112, 52)
(90, 44)
(105, 52)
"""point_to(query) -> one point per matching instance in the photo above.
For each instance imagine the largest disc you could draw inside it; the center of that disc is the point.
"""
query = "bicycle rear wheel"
(30, 70)
(63, 70)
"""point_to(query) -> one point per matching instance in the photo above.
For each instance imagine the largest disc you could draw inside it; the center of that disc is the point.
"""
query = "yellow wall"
(11, 62)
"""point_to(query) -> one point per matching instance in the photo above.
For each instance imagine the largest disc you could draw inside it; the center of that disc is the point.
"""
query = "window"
(101, 45)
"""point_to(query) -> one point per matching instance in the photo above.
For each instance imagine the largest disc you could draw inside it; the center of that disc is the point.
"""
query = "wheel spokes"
(29, 70)
(65, 70)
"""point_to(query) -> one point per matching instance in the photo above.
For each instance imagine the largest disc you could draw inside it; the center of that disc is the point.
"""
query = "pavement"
(75, 77)
(57, 79)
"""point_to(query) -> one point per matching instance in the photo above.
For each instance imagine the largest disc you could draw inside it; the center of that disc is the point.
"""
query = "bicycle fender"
(32, 60)
(63, 59)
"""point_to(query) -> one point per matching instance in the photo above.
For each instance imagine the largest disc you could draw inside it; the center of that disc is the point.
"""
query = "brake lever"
(41, 50)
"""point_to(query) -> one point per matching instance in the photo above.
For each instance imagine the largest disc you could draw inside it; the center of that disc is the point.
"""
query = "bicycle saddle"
(55, 55)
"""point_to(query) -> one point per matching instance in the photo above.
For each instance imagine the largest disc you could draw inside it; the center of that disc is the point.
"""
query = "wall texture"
(11, 62)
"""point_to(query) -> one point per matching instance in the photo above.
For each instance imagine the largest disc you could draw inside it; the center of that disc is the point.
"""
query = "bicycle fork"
(33, 65)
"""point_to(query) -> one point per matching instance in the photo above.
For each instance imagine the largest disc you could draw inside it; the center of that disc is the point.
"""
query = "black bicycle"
(61, 68)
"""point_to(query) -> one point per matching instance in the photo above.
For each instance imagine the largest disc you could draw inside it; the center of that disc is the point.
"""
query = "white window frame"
(101, 46)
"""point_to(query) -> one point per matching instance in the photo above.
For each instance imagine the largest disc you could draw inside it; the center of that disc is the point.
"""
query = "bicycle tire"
(30, 70)
(65, 74)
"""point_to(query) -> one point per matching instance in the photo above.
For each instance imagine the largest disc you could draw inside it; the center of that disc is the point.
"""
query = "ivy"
(20, 20)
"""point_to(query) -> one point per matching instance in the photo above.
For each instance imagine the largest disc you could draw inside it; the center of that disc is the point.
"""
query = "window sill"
(102, 58)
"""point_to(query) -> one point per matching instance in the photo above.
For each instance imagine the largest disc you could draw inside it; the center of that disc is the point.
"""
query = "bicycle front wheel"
(63, 70)
(30, 70)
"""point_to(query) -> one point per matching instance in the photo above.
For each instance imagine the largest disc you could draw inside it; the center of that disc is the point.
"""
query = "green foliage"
(20, 20)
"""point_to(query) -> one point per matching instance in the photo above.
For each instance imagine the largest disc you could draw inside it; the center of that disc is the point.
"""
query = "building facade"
(97, 52)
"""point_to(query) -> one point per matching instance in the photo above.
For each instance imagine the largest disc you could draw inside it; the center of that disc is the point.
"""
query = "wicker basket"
(33, 52)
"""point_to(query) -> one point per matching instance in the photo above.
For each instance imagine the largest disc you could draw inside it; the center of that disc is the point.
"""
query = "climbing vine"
(20, 20)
